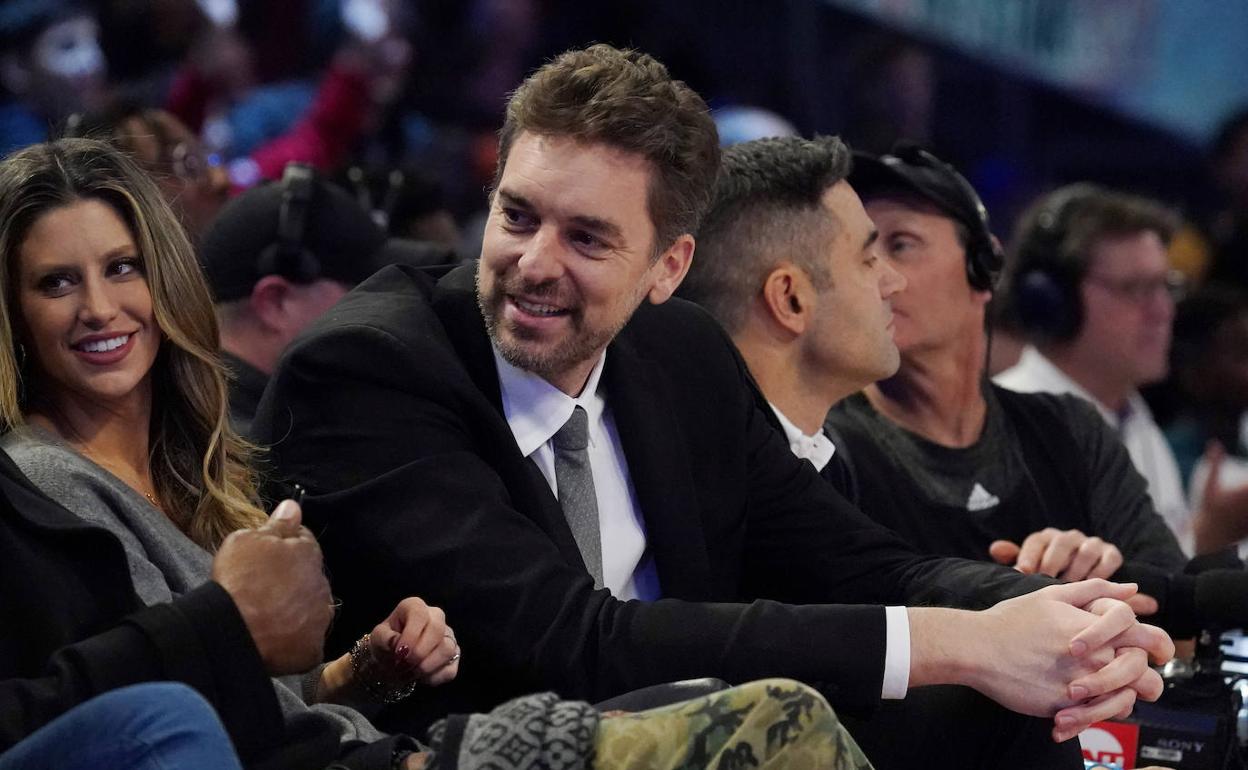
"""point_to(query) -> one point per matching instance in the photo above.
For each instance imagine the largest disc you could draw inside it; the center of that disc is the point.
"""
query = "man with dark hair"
(585, 481)
(1091, 287)
(809, 307)
(806, 301)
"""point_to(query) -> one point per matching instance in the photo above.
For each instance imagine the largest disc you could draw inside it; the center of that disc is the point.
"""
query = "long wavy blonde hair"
(201, 468)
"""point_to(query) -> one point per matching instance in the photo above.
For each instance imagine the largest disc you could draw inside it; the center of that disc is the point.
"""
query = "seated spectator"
(407, 202)
(193, 181)
(121, 415)
(811, 293)
(259, 127)
(1209, 364)
(1090, 285)
(279, 257)
(155, 725)
(789, 263)
(112, 334)
(51, 66)
(468, 434)
(1209, 435)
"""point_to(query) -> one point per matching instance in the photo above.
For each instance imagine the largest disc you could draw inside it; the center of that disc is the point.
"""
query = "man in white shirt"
(485, 483)
(1092, 287)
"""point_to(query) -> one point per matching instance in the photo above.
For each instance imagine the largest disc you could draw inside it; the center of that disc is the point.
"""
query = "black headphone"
(287, 256)
(984, 257)
(1044, 289)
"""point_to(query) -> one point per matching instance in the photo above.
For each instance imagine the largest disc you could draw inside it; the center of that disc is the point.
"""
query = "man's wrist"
(944, 644)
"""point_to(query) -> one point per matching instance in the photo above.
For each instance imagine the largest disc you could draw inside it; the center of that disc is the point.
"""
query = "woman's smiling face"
(86, 315)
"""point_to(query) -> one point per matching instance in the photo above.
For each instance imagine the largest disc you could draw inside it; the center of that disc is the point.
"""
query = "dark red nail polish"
(401, 653)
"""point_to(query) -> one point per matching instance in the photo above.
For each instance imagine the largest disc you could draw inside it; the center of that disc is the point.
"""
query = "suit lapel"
(639, 396)
(455, 303)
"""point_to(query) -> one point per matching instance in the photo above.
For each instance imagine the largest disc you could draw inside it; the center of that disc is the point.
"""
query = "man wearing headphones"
(277, 258)
(1092, 289)
(952, 462)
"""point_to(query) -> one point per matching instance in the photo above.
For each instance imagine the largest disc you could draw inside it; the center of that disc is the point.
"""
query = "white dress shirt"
(1144, 441)
(819, 449)
(535, 411)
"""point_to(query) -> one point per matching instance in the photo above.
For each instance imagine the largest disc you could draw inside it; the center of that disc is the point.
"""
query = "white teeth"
(537, 309)
(103, 346)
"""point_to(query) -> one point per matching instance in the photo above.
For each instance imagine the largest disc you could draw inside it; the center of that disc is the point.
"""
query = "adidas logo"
(981, 499)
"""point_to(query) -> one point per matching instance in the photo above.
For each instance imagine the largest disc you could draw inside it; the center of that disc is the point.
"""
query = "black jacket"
(389, 412)
(74, 628)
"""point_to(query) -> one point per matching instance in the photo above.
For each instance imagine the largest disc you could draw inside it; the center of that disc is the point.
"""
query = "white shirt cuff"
(896, 653)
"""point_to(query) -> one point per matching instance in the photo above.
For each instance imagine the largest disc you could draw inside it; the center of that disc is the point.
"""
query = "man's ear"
(787, 298)
(268, 302)
(670, 269)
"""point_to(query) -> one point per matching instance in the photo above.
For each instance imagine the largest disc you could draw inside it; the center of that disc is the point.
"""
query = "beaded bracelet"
(364, 670)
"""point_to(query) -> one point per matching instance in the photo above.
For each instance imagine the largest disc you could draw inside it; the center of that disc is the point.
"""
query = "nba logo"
(1110, 742)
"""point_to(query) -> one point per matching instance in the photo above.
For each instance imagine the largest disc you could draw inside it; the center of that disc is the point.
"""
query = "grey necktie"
(575, 483)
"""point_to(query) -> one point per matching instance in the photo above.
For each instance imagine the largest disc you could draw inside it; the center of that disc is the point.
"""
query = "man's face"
(939, 305)
(1127, 308)
(853, 328)
(194, 183)
(566, 256)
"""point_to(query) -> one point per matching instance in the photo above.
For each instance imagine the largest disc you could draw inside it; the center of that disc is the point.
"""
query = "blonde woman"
(112, 400)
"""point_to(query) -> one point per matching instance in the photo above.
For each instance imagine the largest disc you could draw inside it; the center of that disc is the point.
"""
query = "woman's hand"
(413, 645)
(416, 643)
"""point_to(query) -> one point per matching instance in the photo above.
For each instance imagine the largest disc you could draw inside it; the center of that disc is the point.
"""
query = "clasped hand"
(1102, 655)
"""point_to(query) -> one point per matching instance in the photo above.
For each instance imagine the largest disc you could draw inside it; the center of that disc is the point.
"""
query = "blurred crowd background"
(398, 100)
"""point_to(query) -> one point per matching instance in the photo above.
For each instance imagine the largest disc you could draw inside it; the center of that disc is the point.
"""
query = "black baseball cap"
(910, 168)
(342, 238)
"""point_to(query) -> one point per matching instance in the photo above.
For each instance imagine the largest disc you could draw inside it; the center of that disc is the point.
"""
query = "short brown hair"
(625, 99)
(1065, 226)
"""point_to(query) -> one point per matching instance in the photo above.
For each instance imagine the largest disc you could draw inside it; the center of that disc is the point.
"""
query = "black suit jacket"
(389, 412)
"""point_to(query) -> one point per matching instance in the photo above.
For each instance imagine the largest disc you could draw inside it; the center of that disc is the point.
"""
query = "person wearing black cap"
(1037, 482)
(277, 258)
(960, 466)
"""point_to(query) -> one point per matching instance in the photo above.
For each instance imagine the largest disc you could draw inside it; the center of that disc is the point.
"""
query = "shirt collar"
(1046, 374)
(817, 448)
(536, 410)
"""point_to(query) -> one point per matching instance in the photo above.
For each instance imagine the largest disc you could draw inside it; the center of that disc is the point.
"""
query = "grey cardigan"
(163, 562)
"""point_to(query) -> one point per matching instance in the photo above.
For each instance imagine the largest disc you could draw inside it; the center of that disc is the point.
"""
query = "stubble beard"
(549, 361)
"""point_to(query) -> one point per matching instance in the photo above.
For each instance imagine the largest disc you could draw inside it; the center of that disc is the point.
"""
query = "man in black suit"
(431, 425)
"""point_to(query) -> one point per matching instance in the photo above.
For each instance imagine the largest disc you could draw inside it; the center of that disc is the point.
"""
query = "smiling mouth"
(537, 308)
(103, 345)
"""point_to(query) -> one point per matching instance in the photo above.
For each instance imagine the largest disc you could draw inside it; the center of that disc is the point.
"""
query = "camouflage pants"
(773, 723)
